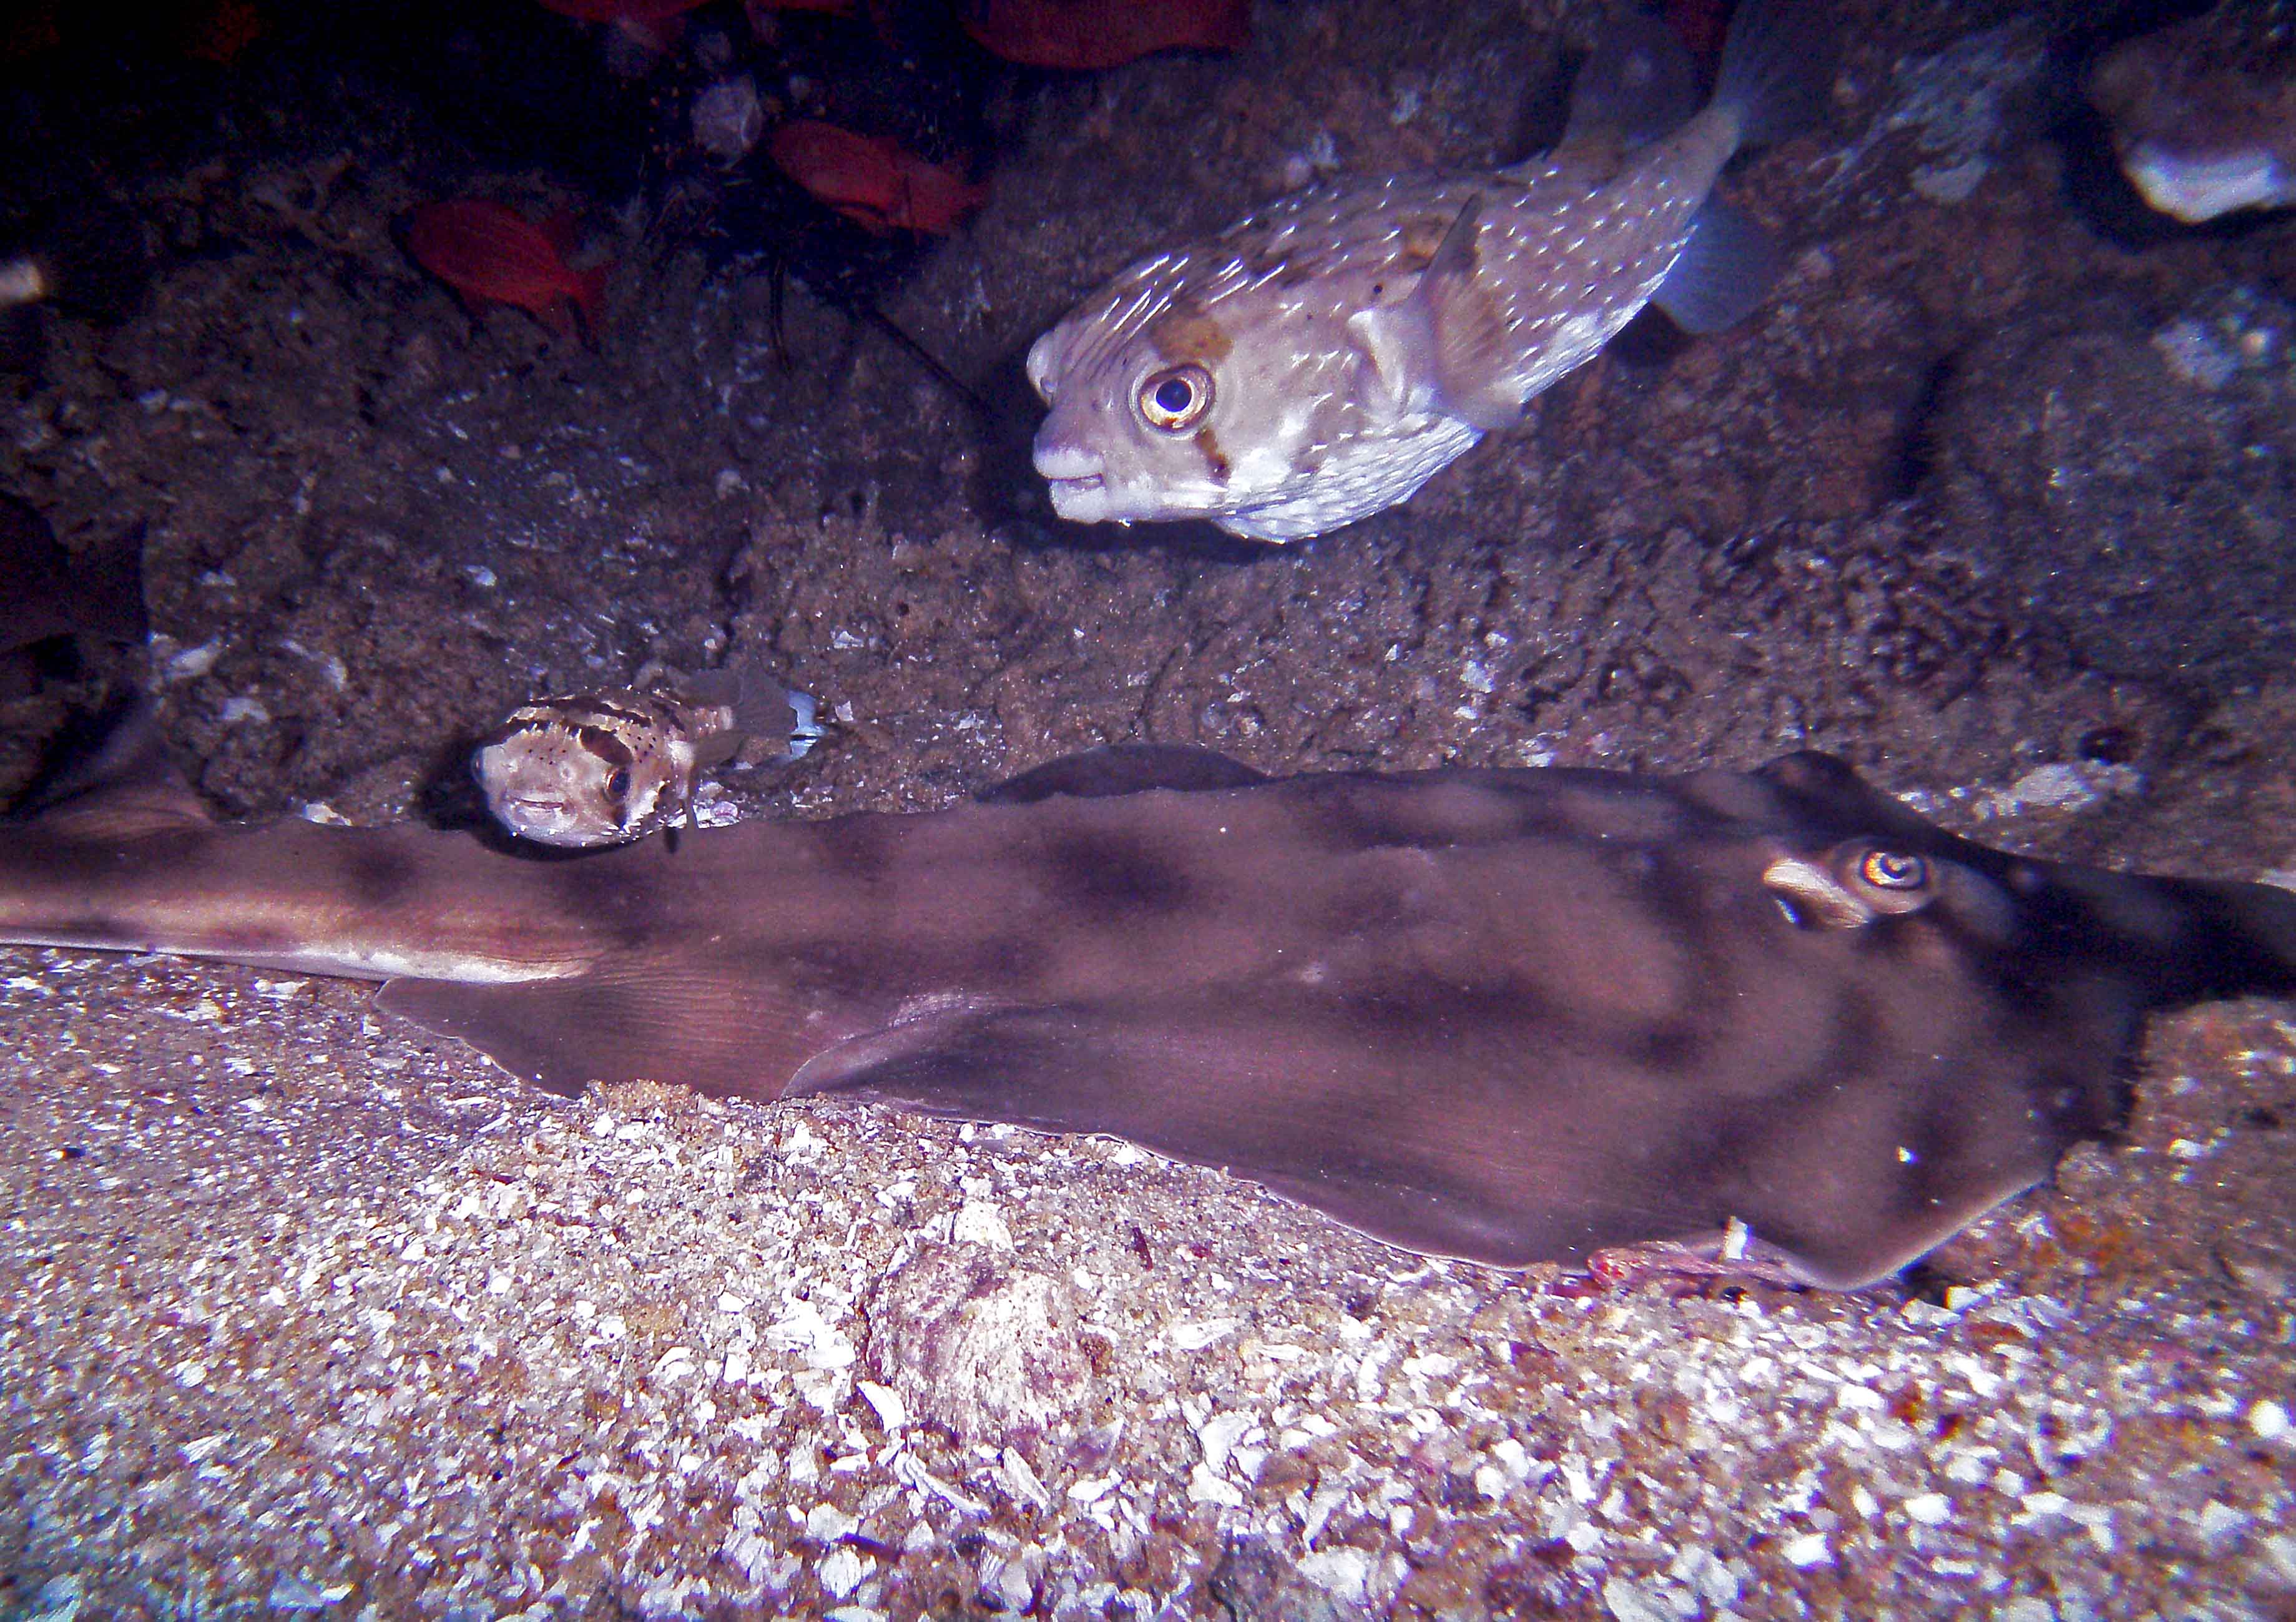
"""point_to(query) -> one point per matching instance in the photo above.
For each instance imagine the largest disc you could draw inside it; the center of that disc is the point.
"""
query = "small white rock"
(842, 1573)
(892, 1414)
(1219, 1437)
(192, 662)
(2220, 1523)
(1931, 1509)
(826, 1523)
(1341, 1573)
(1630, 1601)
(2268, 1420)
(1195, 1337)
(1808, 1551)
(978, 1224)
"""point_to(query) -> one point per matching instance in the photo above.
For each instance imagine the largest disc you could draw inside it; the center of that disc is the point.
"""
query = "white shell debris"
(892, 1414)
(802, 1327)
(978, 1223)
(1195, 1337)
(842, 1573)
(2268, 1420)
(191, 663)
(1931, 1509)
(844, 1405)
(1810, 1550)
(1344, 1573)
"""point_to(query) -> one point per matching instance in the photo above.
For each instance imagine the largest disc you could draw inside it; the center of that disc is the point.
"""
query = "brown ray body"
(1510, 1015)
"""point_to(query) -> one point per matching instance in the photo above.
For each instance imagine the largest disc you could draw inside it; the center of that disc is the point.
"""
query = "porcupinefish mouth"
(537, 813)
(1082, 501)
(1078, 480)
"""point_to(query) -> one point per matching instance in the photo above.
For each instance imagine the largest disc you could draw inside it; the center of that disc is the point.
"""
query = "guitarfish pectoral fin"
(1441, 1130)
(655, 1017)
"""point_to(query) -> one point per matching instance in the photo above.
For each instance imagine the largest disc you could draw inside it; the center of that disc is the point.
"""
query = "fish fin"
(1637, 85)
(1450, 1128)
(1444, 347)
(765, 710)
(633, 1018)
(2249, 935)
(1725, 269)
(1776, 74)
(122, 785)
(1122, 768)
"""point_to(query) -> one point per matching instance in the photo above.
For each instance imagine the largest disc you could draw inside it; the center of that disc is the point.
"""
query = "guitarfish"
(1511, 1016)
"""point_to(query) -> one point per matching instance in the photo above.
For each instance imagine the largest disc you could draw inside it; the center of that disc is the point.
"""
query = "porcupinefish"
(604, 768)
(1514, 1016)
(1320, 359)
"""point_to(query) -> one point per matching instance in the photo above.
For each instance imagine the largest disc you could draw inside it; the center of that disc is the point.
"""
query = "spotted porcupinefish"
(604, 768)
(1322, 358)
(1512, 1016)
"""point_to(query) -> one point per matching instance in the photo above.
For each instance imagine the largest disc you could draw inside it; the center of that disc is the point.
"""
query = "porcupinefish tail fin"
(789, 716)
(779, 716)
(1725, 270)
(1777, 69)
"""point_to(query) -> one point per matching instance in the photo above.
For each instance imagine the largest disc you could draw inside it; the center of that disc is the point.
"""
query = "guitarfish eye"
(1173, 400)
(1893, 870)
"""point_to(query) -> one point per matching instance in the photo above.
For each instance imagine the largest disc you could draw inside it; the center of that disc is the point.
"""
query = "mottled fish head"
(1232, 381)
(587, 771)
(1146, 396)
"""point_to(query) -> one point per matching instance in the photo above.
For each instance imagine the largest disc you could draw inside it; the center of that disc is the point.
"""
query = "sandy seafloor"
(309, 1313)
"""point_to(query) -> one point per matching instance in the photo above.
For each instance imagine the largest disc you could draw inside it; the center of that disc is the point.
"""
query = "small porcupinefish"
(1320, 359)
(604, 768)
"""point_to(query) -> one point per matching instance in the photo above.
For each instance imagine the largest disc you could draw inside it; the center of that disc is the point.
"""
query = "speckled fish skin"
(604, 768)
(1329, 352)
(600, 768)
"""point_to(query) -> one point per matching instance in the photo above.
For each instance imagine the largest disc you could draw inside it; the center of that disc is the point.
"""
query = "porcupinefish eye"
(618, 784)
(1173, 400)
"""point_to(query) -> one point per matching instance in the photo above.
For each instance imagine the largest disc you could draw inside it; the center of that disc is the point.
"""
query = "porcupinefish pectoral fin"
(1724, 271)
(1444, 347)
